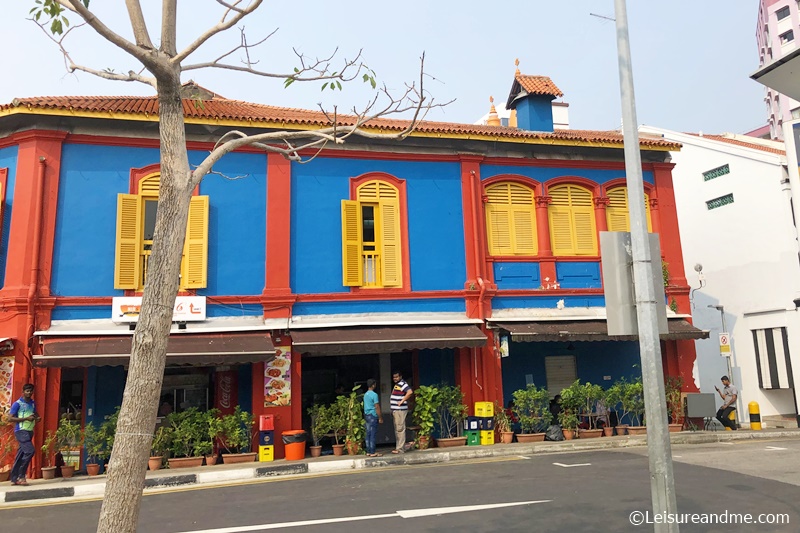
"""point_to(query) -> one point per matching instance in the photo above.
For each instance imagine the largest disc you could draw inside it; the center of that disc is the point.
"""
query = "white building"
(735, 215)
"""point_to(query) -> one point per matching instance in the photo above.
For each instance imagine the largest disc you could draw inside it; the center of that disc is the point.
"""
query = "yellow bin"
(484, 409)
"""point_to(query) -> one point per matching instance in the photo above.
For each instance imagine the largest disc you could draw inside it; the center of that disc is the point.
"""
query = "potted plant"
(590, 395)
(532, 409)
(49, 443)
(237, 437)
(213, 424)
(69, 437)
(355, 432)
(320, 425)
(187, 430)
(108, 431)
(502, 424)
(337, 419)
(450, 415)
(159, 447)
(94, 443)
(672, 389)
(572, 402)
(613, 400)
(426, 404)
(633, 404)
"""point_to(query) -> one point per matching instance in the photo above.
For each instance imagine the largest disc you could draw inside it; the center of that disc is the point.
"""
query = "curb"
(416, 458)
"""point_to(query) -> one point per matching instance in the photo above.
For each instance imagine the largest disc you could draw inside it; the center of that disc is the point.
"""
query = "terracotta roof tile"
(219, 109)
(538, 85)
(744, 144)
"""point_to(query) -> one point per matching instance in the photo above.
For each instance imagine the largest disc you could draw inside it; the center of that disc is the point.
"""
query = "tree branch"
(138, 24)
(222, 25)
(169, 25)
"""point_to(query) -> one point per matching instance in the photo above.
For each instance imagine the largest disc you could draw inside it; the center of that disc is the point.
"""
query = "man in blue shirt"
(23, 414)
(372, 414)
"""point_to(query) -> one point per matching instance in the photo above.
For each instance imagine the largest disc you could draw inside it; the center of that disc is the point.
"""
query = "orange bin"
(294, 442)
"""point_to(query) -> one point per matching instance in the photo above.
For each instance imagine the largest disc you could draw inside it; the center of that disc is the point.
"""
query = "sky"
(691, 59)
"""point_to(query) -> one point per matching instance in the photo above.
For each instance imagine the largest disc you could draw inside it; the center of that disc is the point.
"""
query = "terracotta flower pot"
(154, 463)
(530, 437)
(316, 451)
(211, 460)
(622, 429)
(67, 471)
(637, 430)
(185, 462)
(451, 442)
(608, 431)
(507, 437)
(590, 433)
(352, 447)
(234, 458)
(569, 434)
(5, 475)
(92, 469)
(48, 472)
(675, 428)
(423, 442)
(338, 449)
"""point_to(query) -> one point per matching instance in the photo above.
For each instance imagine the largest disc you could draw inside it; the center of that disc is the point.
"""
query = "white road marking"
(524, 457)
(677, 456)
(570, 466)
(726, 443)
(776, 448)
(410, 513)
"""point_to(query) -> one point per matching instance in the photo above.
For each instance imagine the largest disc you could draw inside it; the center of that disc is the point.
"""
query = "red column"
(668, 223)
(655, 216)
(547, 263)
(277, 297)
(600, 219)
(472, 208)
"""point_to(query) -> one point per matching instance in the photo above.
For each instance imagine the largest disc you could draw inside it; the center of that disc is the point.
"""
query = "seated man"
(729, 395)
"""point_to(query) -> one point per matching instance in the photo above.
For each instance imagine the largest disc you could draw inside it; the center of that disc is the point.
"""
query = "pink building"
(777, 32)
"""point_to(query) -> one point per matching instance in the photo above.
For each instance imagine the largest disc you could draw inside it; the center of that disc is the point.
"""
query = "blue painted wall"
(594, 300)
(452, 305)
(91, 178)
(579, 275)
(435, 222)
(8, 159)
(593, 361)
(517, 275)
(544, 174)
(104, 311)
(436, 367)
(535, 113)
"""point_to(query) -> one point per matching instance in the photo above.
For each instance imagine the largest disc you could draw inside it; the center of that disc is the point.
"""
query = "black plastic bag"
(291, 439)
(554, 433)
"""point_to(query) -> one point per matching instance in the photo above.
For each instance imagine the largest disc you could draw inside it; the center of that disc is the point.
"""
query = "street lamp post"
(662, 481)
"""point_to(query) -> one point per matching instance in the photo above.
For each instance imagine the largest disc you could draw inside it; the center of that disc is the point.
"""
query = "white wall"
(749, 254)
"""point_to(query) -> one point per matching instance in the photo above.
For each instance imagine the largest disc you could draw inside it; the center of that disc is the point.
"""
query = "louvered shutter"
(560, 372)
(560, 231)
(351, 244)
(128, 265)
(525, 241)
(617, 210)
(194, 268)
(499, 229)
(585, 234)
(510, 220)
(391, 266)
(647, 213)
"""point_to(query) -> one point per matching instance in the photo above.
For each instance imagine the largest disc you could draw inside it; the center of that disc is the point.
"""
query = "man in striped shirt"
(401, 392)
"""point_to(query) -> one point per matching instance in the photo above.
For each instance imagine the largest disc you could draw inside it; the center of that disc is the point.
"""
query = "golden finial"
(493, 119)
(516, 64)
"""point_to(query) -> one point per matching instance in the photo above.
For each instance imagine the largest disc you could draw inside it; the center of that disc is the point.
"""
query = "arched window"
(571, 216)
(617, 210)
(510, 219)
(371, 240)
(136, 222)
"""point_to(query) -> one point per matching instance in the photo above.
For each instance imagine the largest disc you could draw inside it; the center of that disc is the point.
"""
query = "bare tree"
(161, 67)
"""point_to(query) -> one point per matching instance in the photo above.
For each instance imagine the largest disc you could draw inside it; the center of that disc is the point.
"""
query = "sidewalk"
(84, 487)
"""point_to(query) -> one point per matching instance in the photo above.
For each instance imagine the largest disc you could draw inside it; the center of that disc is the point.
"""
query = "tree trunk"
(137, 417)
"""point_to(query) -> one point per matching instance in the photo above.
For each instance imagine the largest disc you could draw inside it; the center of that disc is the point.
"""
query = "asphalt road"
(598, 495)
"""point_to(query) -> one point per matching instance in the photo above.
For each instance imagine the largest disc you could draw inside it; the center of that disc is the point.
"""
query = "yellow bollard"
(755, 416)
(732, 418)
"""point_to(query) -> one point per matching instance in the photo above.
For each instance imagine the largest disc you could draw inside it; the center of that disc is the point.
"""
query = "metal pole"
(662, 481)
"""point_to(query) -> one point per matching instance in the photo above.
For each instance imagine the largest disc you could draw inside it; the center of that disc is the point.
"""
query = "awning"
(589, 330)
(385, 339)
(183, 350)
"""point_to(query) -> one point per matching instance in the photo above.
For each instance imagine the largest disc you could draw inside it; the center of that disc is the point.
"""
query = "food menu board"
(278, 379)
(6, 373)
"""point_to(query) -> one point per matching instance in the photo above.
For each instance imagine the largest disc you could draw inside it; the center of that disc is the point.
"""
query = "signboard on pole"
(725, 344)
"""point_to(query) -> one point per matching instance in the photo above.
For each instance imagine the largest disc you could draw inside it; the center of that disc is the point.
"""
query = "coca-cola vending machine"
(226, 390)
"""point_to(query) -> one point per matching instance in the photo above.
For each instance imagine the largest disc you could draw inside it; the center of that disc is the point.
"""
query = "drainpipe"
(33, 288)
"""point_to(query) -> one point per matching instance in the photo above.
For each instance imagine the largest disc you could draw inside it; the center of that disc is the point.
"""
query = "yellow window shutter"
(128, 271)
(391, 255)
(617, 210)
(194, 268)
(351, 244)
(585, 234)
(525, 241)
(647, 213)
(561, 230)
(499, 229)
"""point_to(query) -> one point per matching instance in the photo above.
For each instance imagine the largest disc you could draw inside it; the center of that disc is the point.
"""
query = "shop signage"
(126, 309)
(226, 391)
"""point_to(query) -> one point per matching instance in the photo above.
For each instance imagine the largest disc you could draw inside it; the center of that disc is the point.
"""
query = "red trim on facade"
(649, 188)
(548, 292)
(3, 193)
(593, 186)
(400, 185)
(470, 168)
(543, 226)
(560, 163)
(670, 233)
(516, 178)
(277, 295)
(600, 220)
